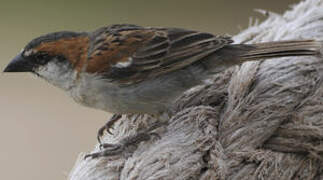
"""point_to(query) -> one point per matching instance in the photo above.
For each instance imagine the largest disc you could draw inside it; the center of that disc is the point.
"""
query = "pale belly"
(150, 97)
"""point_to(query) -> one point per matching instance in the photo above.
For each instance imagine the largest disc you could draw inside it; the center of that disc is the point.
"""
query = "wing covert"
(135, 54)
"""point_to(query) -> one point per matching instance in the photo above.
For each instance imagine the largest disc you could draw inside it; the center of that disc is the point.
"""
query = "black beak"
(19, 64)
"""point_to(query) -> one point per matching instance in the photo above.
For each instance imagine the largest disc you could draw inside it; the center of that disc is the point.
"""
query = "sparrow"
(127, 69)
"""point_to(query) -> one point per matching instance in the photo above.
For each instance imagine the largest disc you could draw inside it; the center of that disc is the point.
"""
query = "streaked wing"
(149, 52)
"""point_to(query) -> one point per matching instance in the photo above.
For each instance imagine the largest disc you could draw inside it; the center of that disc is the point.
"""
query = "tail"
(236, 54)
(278, 49)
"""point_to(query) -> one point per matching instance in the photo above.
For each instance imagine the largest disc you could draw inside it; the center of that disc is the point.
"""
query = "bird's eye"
(41, 58)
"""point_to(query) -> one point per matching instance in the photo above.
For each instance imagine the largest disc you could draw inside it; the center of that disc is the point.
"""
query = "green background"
(42, 130)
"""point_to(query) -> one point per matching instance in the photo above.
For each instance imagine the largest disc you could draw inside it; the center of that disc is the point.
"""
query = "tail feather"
(236, 54)
(282, 49)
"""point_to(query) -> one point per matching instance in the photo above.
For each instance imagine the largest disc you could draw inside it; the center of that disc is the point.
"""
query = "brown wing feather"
(110, 47)
(132, 55)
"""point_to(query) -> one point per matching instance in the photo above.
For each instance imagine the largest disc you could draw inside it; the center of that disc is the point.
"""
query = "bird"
(131, 69)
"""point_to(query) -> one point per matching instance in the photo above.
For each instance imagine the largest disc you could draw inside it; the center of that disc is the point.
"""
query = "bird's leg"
(125, 144)
(108, 126)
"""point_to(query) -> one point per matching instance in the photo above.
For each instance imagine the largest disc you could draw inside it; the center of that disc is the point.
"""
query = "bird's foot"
(108, 126)
(125, 146)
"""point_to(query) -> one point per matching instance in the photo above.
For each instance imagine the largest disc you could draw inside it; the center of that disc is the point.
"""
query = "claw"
(108, 126)
(92, 155)
(100, 134)
(108, 130)
(110, 150)
(111, 147)
(124, 145)
(107, 145)
(107, 149)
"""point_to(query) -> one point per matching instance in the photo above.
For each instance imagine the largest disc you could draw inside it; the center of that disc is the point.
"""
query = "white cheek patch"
(49, 71)
(60, 75)
(124, 64)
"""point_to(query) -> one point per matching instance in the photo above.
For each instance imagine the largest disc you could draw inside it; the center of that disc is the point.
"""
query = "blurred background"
(42, 131)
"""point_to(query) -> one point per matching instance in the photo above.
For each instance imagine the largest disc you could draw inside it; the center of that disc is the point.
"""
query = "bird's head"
(54, 57)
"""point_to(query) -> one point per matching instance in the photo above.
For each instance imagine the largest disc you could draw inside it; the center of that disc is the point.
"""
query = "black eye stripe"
(42, 58)
(39, 58)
